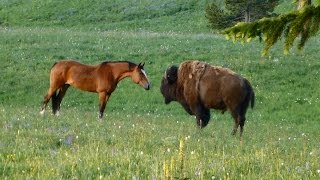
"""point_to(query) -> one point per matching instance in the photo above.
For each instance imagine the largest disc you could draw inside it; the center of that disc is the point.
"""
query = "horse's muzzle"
(146, 86)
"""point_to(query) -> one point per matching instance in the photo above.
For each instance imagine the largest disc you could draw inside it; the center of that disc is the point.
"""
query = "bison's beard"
(167, 100)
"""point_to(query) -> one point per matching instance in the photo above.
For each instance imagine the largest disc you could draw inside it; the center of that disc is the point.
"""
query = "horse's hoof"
(42, 112)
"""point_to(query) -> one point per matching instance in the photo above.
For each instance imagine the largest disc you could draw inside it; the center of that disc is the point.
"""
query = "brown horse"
(102, 79)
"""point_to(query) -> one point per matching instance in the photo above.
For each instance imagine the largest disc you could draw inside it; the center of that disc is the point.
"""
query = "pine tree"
(238, 11)
(303, 23)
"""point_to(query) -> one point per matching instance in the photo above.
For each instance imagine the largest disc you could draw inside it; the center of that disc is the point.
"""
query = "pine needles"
(303, 23)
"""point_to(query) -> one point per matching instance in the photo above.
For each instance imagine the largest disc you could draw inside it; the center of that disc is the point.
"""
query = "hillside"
(152, 15)
(157, 32)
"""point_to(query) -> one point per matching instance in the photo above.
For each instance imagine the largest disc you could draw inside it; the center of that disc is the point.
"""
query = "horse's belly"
(84, 86)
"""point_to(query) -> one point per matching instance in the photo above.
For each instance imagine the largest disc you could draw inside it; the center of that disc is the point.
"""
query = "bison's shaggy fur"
(198, 87)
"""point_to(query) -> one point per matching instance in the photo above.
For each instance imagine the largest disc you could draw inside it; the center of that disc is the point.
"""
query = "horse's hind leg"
(47, 97)
(57, 102)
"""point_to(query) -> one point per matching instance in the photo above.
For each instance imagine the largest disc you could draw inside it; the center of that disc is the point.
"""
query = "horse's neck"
(124, 75)
(121, 71)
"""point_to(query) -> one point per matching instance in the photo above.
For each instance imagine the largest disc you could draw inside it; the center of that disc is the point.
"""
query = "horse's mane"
(130, 64)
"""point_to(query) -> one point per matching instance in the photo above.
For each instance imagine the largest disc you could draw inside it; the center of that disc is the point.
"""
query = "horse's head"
(139, 76)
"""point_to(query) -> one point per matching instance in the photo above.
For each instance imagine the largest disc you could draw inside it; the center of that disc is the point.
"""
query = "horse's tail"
(250, 97)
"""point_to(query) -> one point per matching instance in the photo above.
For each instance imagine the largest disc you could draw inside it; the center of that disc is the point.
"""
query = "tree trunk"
(247, 14)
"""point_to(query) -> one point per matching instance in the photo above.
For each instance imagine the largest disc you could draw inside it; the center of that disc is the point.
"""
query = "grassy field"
(140, 137)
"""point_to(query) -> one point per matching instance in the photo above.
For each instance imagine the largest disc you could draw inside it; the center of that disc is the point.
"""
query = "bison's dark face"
(169, 84)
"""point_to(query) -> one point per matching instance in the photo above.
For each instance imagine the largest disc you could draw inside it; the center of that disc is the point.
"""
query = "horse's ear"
(140, 65)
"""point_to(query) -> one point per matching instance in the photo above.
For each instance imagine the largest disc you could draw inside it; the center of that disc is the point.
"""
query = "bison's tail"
(250, 96)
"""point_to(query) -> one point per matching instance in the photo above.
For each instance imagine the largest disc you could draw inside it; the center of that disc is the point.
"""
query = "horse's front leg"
(103, 98)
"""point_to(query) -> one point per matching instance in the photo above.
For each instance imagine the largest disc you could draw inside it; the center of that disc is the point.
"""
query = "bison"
(199, 87)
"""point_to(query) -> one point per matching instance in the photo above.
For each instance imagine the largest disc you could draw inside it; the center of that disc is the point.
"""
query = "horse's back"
(65, 69)
(65, 64)
(68, 65)
(76, 74)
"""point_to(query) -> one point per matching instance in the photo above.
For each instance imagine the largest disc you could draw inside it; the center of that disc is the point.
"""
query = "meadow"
(140, 137)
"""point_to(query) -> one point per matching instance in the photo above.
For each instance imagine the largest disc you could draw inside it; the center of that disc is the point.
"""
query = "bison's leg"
(242, 120)
(223, 110)
(239, 119)
(236, 117)
(187, 108)
(202, 115)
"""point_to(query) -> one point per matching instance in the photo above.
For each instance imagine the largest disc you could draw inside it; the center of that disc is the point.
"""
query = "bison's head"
(169, 84)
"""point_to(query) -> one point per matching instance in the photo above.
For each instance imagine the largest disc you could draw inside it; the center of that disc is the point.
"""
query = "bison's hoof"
(233, 132)
(200, 124)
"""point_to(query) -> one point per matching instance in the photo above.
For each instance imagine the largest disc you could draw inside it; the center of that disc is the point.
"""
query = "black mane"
(130, 64)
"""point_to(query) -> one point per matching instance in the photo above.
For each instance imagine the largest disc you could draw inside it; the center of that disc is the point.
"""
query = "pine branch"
(304, 23)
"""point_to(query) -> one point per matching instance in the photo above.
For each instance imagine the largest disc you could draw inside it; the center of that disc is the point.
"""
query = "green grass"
(154, 15)
(139, 138)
